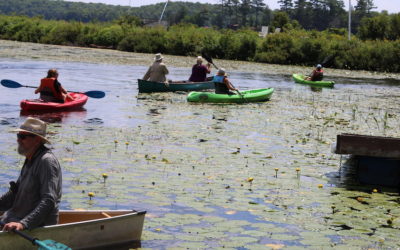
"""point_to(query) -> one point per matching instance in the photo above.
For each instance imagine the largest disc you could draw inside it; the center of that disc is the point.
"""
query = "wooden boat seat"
(77, 216)
(106, 215)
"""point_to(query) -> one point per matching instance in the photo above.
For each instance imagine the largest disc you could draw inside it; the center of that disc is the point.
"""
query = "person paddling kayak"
(50, 89)
(222, 83)
(316, 75)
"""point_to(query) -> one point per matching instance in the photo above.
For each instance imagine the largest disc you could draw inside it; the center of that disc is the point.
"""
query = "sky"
(392, 6)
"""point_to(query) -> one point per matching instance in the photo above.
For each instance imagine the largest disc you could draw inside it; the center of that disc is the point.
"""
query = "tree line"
(295, 45)
(308, 14)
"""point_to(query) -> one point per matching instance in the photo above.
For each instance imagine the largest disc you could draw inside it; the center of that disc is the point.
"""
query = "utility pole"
(350, 20)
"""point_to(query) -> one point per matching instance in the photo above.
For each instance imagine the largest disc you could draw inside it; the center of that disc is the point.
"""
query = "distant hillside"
(196, 13)
(61, 10)
(311, 14)
(88, 12)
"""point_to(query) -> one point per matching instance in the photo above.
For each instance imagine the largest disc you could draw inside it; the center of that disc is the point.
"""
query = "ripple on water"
(95, 121)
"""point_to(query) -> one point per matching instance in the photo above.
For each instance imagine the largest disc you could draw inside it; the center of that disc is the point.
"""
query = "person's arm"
(7, 199)
(60, 87)
(50, 179)
(208, 68)
(166, 70)
(229, 84)
(38, 89)
(147, 75)
(191, 76)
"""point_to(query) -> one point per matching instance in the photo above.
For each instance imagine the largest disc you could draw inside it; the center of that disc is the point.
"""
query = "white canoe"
(84, 230)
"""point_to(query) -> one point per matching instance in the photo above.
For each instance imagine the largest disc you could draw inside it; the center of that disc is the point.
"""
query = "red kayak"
(39, 105)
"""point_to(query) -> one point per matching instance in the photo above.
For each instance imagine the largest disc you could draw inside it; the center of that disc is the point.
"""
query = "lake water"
(189, 164)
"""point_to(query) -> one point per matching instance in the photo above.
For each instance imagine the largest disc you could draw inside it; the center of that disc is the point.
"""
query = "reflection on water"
(256, 175)
(56, 117)
(124, 246)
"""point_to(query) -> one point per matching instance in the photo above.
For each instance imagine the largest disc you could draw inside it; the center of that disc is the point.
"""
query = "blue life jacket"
(218, 78)
(220, 86)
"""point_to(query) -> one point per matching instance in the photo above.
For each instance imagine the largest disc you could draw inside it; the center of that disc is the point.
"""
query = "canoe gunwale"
(128, 213)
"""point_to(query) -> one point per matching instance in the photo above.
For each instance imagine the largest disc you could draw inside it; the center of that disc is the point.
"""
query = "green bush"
(109, 36)
(144, 40)
(276, 48)
(294, 46)
(63, 33)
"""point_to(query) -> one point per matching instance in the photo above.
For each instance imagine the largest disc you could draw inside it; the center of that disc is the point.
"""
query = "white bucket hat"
(34, 126)
(158, 57)
(199, 59)
(222, 72)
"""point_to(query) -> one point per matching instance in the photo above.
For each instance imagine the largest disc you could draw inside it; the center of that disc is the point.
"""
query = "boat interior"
(70, 216)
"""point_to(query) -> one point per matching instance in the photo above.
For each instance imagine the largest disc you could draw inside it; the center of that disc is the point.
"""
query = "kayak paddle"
(43, 245)
(210, 60)
(13, 84)
(327, 61)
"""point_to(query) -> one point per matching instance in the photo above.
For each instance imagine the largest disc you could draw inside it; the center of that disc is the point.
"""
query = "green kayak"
(300, 79)
(255, 95)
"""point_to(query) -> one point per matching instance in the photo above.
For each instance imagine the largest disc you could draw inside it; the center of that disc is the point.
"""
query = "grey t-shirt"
(34, 202)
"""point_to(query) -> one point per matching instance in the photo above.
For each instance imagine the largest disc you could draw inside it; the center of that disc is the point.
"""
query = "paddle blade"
(51, 245)
(327, 61)
(208, 58)
(95, 94)
(10, 84)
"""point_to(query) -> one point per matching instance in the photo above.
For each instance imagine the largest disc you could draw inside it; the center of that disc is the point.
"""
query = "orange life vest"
(317, 75)
(47, 87)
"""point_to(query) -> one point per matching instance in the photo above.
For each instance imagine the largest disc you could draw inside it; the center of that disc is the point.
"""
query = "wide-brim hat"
(34, 126)
(158, 57)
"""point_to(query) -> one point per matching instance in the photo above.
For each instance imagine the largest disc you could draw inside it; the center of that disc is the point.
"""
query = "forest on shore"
(374, 45)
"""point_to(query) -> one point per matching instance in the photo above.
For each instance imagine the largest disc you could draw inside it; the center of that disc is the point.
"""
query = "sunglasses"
(23, 136)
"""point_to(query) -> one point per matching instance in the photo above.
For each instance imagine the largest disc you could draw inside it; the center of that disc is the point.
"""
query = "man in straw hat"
(157, 71)
(200, 71)
(33, 200)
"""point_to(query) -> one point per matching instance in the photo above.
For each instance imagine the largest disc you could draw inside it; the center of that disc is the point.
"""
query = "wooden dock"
(378, 158)
(366, 145)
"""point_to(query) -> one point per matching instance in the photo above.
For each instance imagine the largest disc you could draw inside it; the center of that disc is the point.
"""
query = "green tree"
(286, 5)
(364, 7)
(303, 13)
(244, 11)
(280, 19)
(258, 6)
(394, 32)
(375, 28)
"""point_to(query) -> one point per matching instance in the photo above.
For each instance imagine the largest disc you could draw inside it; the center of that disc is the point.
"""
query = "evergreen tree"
(258, 6)
(303, 13)
(336, 13)
(286, 5)
(364, 6)
(362, 9)
(244, 11)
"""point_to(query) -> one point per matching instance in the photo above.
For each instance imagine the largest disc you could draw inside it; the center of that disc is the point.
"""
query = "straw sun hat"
(158, 57)
(34, 126)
